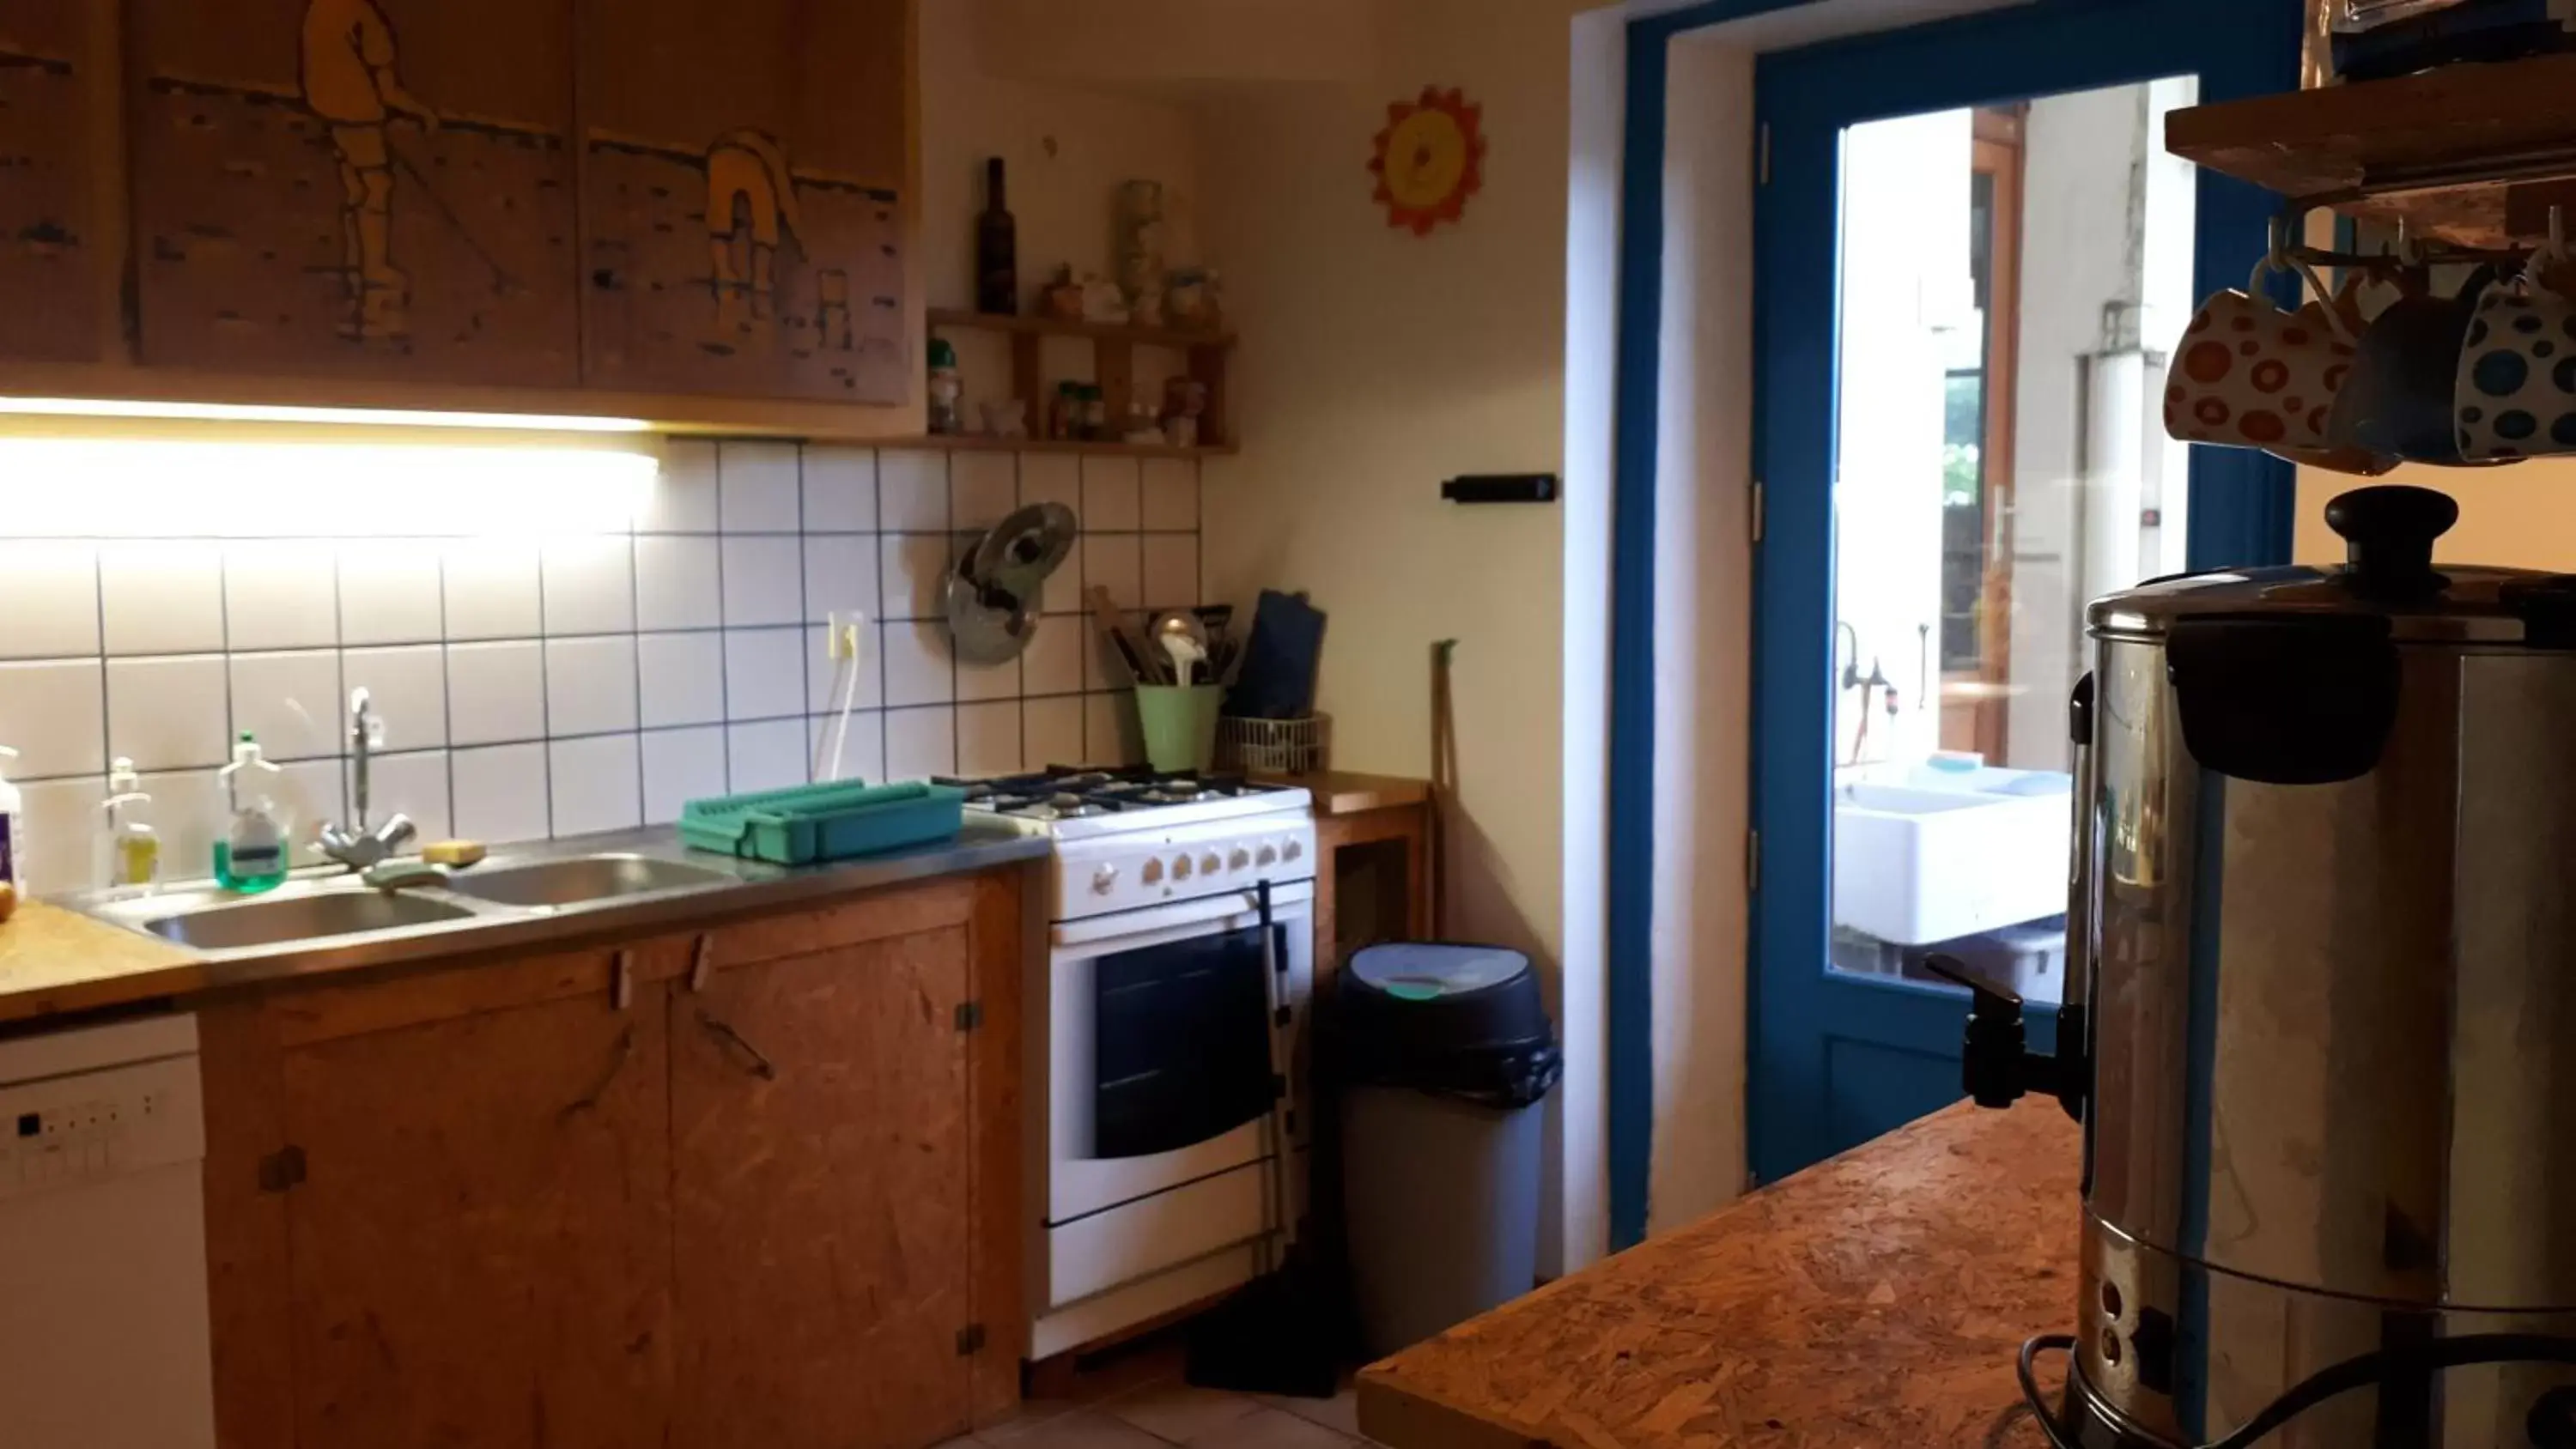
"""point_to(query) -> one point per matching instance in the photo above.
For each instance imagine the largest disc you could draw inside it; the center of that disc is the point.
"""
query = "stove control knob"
(1239, 859)
(1104, 880)
(1267, 855)
(1293, 849)
(1211, 863)
(1151, 872)
(1180, 867)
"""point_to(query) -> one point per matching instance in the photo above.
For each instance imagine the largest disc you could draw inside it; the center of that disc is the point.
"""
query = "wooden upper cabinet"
(821, 1184)
(54, 246)
(481, 1243)
(357, 188)
(742, 196)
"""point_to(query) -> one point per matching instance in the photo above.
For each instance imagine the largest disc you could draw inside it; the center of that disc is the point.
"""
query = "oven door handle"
(1200, 910)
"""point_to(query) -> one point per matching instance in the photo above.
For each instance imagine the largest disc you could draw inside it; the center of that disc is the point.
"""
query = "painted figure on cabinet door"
(353, 83)
(797, 291)
(751, 208)
(368, 189)
(46, 277)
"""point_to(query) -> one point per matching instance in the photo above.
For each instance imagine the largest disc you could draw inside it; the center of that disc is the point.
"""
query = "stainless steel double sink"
(319, 908)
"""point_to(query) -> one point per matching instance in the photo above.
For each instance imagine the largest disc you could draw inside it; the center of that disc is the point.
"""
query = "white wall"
(1703, 577)
(1374, 365)
(1065, 149)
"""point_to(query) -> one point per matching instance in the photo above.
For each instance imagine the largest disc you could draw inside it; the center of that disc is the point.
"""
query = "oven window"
(1183, 1052)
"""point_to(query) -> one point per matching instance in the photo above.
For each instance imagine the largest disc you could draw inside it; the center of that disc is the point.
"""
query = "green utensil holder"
(1180, 724)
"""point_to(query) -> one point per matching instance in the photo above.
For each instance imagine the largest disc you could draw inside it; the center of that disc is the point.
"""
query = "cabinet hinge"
(970, 1015)
(1758, 510)
(970, 1339)
(1762, 160)
(1752, 862)
(281, 1170)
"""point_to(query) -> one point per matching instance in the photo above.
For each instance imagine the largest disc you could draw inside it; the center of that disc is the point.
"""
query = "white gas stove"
(1169, 1027)
(1130, 839)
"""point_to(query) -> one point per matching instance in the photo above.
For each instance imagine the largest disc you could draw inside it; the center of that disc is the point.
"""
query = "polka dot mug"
(2249, 375)
(2516, 396)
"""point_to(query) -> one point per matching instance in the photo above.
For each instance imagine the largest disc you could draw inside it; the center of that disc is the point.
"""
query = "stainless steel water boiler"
(2322, 1029)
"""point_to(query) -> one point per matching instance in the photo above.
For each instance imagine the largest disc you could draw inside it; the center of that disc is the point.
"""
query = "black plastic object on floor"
(1288, 1331)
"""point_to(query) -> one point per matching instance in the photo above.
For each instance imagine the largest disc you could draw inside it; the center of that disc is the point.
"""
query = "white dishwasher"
(103, 1329)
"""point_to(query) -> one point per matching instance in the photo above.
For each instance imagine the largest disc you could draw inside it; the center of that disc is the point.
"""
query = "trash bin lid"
(1463, 1020)
(1425, 971)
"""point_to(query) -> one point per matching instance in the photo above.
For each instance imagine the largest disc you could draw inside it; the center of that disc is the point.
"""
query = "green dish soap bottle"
(251, 854)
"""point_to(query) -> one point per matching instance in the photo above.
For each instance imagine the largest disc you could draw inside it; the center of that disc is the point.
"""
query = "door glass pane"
(2010, 279)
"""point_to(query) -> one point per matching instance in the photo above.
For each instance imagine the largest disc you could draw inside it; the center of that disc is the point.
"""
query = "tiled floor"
(1142, 1403)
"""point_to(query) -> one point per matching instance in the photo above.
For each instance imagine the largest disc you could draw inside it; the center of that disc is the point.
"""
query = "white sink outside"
(1919, 866)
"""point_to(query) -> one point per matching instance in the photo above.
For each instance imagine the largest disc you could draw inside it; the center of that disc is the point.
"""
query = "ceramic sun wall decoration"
(1430, 159)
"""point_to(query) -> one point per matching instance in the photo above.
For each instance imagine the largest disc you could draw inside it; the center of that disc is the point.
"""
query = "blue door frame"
(2241, 502)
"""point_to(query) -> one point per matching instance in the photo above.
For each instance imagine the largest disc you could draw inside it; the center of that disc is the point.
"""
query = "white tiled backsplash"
(563, 682)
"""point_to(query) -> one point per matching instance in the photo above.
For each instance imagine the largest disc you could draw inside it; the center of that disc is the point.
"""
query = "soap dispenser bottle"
(130, 849)
(251, 853)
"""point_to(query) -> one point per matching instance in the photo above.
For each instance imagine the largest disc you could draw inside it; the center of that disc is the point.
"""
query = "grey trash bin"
(1443, 1052)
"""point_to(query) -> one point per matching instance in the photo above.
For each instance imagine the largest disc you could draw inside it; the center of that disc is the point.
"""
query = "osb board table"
(54, 961)
(1876, 1299)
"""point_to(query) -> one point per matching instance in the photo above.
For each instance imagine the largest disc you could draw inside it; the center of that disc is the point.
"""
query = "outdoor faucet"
(359, 846)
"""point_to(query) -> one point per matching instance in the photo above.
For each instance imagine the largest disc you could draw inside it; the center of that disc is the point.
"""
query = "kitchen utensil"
(1185, 655)
(987, 625)
(1277, 680)
(1017, 554)
(2405, 376)
(1444, 773)
(1174, 623)
(2319, 944)
(1141, 663)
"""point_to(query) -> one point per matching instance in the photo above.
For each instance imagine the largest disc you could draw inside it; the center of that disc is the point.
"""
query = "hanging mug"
(2515, 389)
(2404, 386)
(2249, 375)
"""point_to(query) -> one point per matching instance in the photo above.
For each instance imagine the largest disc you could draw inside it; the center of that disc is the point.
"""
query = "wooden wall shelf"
(1113, 350)
(1095, 331)
(980, 443)
(2471, 154)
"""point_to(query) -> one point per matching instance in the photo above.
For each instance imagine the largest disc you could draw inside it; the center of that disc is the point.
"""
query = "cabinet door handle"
(607, 1079)
(761, 1066)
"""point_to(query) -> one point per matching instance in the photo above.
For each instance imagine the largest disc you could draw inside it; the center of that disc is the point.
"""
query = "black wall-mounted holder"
(1501, 488)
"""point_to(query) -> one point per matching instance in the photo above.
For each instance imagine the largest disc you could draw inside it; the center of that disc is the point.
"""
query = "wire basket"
(1273, 746)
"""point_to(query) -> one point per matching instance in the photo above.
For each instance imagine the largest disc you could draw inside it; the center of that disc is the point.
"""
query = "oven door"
(1161, 1044)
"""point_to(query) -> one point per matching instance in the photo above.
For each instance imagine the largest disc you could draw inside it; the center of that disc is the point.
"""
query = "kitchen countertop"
(55, 960)
(1342, 792)
(1877, 1299)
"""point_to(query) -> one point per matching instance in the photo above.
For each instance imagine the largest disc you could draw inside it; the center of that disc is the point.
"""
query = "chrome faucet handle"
(396, 832)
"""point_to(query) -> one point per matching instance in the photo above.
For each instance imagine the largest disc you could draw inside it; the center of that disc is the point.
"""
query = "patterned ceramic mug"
(2516, 392)
(2250, 375)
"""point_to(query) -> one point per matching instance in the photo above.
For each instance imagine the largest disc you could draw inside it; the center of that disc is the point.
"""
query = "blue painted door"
(1971, 253)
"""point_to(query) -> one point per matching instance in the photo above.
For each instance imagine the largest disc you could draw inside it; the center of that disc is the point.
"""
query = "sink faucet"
(359, 846)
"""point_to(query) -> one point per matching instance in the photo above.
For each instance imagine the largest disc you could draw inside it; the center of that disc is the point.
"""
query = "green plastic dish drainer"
(809, 823)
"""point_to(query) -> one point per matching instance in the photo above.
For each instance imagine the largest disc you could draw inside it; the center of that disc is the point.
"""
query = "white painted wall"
(1703, 610)
(1377, 363)
(1065, 149)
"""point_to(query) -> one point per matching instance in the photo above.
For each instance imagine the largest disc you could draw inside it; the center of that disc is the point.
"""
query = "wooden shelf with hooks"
(2474, 155)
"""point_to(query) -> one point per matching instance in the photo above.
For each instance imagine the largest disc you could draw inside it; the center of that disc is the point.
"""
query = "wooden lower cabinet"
(481, 1243)
(733, 1188)
(820, 1180)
